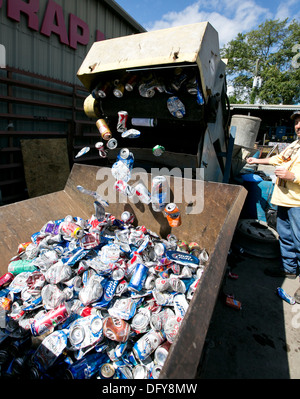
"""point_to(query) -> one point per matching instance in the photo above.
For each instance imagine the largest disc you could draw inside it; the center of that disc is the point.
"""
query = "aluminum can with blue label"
(283, 295)
(147, 344)
(138, 278)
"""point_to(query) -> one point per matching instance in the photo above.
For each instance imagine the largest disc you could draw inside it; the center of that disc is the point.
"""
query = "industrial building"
(42, 45)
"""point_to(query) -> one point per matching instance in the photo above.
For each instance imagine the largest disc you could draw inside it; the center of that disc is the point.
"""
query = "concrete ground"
(262, 339)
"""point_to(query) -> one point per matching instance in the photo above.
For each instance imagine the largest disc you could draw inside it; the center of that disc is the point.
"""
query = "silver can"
(140, 372)
(161, 353)
(140, 322)
(147, 344)
(122, 121)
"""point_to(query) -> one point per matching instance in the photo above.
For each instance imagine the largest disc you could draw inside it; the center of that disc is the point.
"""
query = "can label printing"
(142, 193)
(103, 129)
(147, 344)
(173, 215)
(116, 329)
(138, 278)
(122, 120)
(176, 107)
(49, 320)
(182, 258)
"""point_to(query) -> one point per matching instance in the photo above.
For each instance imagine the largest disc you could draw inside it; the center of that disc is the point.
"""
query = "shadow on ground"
(251, 342)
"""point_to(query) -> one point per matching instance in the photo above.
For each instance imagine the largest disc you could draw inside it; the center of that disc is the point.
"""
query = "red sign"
(53, 21)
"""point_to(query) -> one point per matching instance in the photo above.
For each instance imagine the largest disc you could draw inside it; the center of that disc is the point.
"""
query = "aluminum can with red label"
(6, 279)
(103, 129)
(172, 327)
(50, 320)
(122, 121)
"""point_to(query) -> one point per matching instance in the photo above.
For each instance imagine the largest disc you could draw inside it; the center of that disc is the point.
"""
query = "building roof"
(119, 10)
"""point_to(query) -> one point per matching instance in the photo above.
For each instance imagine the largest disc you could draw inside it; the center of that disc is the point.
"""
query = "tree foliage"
(267, 52)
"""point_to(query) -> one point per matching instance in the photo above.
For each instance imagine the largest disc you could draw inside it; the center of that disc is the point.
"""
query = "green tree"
(266, 52)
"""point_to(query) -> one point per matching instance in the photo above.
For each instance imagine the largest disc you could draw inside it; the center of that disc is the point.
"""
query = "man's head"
(296, 118)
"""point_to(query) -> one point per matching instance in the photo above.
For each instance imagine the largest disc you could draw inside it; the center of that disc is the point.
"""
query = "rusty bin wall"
(213, 229)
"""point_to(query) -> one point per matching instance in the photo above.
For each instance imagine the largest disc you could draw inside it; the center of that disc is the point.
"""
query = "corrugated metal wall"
(31, 50)
(46, 101)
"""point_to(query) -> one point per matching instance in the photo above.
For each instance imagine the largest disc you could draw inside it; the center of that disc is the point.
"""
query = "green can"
(158, 150)
(19, 266)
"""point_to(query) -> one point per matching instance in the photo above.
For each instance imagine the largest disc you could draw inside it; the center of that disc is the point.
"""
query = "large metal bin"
(212, 228)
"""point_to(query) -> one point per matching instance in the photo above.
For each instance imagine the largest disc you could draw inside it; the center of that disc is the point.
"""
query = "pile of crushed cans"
(95, 299)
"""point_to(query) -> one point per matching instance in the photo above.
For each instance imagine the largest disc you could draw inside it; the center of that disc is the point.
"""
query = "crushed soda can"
(172, 327)
(131, 134)
(176, 107)
(147, 344)
(140, 321)
(85, 332)
(286, 297)
(116, 329)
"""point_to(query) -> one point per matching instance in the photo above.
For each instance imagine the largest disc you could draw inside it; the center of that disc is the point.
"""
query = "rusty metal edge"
(185, 353)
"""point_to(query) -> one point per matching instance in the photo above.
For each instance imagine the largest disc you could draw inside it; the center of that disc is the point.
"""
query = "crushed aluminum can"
(283, 295)
(52, 296)
(176, 107)
(192, 289)
(83, 151)
(131, 134)
(85, 332)
(140, 322)
(182, 258)
(156, 369)
(180, 305)
(138, 278)
(127, 217)
(172, 327)
(159, 249)
(158, 150)
(163, 298)
(112, 144)
(6, 279)
(147, 344)
(123, 308)
(121, 288)
(177, 285)
(140, 372)
(49, 320)
(150, 282)
(116, 329)
(161, 353)
(58, 273)
(91, 291)
(162, 284)
(50, 348)
(110, 253)
(122, 120)
(158, 320)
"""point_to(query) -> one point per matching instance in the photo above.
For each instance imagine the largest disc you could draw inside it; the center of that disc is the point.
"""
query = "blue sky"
(228, 17)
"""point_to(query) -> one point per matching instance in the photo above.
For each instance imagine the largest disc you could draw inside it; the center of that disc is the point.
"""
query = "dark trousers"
(288, 228)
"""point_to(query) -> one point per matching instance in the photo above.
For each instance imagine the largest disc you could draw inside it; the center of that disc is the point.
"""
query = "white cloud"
(228, 17)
